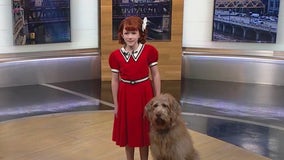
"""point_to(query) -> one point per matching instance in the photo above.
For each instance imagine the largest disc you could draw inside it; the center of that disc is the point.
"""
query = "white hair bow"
(144, 24)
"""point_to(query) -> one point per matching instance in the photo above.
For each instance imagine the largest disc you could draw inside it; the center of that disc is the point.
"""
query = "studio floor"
(247, 116)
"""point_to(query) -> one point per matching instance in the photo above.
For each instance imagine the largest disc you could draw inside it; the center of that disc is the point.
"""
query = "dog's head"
(162, 111)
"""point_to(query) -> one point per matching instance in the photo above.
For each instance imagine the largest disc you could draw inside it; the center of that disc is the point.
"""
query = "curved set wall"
(202, 58)
(52, 62)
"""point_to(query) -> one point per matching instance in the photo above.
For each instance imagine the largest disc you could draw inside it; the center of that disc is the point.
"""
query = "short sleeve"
(153, 56)
(113, 62)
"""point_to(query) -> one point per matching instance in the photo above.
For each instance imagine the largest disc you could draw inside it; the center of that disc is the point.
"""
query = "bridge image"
(44, 21)
(243, 22)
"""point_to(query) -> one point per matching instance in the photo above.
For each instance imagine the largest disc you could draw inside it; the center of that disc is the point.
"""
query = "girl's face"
(131, 37)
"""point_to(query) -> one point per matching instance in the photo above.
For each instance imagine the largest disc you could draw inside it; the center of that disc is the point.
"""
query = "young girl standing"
(135, 80)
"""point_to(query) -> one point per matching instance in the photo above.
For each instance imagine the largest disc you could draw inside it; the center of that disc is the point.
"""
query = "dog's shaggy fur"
(169, 137)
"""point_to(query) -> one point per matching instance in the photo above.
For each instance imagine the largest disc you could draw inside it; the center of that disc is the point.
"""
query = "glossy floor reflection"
(249, 116)
(22, 101)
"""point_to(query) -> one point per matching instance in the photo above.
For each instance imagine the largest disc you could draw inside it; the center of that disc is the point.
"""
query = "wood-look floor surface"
(87, 136)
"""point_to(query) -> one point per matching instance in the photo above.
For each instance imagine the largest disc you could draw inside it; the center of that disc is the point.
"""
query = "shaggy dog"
(170, 139)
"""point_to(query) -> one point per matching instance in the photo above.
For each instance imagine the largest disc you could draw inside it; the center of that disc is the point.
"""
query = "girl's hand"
(115, 111)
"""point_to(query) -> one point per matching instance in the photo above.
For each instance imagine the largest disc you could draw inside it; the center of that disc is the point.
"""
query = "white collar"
(135, 54)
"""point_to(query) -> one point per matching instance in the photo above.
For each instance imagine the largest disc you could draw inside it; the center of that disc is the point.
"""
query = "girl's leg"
(144, 152)
(129, 153)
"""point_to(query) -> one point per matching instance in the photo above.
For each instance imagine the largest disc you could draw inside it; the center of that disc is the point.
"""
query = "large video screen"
(41, 21)
(245, 21)
(158, 14)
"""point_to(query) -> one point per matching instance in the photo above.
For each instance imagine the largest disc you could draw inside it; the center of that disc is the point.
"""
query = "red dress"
(131, 127)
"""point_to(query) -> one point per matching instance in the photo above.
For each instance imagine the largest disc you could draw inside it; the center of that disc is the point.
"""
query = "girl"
(132, 87)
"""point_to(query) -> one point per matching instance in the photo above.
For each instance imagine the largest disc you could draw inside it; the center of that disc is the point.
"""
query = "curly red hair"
(132, 23)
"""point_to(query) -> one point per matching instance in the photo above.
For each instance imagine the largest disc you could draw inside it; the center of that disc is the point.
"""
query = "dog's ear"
(148, 107)
(175, 106)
